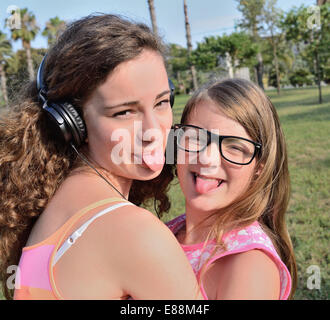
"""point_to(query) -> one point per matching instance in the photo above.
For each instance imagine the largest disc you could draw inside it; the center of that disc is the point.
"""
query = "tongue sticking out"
(155, 160)
(204, 186)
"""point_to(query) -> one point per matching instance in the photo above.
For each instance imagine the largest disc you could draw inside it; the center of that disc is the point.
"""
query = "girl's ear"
(259, 169)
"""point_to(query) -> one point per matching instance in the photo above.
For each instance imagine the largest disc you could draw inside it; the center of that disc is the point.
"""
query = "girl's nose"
(150, 121)
(150, 132)
(210, 157)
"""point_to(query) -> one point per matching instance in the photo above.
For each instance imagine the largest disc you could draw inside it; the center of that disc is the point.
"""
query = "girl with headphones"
(82, 148)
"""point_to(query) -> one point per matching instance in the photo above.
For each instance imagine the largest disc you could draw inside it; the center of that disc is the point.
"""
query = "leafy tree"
(240, 48)
(237, 47)
(17, 70)
(302, 28)
(27, 33)
(285, 58)
(178, 65)
(301, 77)
(252, 21)
(5, 53)
(207, 53)
(272, 17)
(54, 27)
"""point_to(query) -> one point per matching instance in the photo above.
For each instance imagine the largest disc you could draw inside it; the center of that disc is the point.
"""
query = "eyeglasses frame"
(257, 149)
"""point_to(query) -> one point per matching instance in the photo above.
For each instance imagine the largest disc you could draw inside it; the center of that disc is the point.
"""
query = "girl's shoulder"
(249, 236)
(249, 244)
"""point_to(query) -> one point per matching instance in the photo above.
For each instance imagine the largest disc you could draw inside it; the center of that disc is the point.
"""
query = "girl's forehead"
(209, 115)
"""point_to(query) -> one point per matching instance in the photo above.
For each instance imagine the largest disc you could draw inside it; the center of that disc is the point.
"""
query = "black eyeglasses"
(234, 149)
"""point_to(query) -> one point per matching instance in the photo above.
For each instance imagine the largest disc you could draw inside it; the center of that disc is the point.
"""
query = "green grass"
(306, 125)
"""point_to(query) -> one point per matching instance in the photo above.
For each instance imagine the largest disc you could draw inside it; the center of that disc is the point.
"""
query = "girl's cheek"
(180, 157)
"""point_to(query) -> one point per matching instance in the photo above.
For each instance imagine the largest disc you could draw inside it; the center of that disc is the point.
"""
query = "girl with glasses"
(232, 166)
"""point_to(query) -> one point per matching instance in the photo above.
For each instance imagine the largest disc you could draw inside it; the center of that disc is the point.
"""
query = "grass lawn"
(307, 129)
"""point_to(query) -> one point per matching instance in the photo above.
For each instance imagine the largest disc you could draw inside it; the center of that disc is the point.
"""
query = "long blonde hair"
(266, 199)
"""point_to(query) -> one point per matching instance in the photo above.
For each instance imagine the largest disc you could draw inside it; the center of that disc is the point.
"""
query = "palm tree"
(27, 33)
(189, 45)
(153, 16)
(54, 27)
(5, 52)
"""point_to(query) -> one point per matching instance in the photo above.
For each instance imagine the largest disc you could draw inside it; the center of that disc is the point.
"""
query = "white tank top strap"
(78, 233)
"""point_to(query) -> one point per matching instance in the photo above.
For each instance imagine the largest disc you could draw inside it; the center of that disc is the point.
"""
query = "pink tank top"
(36, 277)
(240, 240)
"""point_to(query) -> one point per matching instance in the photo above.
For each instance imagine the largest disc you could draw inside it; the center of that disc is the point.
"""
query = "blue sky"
(207, 17)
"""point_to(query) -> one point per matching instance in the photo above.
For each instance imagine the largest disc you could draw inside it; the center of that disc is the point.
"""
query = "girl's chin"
(202, 203)
(144, 173)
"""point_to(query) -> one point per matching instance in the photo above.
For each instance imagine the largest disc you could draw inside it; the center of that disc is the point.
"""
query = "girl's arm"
(250, 275)
(151, 263)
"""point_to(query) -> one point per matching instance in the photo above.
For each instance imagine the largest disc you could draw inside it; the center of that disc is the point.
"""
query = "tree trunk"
(255, 75)
(27, 47)
(153, 16)
(276, 67)
(189, 45)
(3, 84)
(182, 87)
(318, 74)
(321, 2)
(194, 76)
(317, 70)
(260, 70)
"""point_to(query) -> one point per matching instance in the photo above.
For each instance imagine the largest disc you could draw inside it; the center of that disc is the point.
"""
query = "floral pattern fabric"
(236, 241)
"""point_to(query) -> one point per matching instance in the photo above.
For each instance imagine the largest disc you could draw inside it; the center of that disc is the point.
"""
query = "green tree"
(27, 33)
(17, 70)
(252, 21)
(237, 47)
(301, 77)
(54, 27)
(272, 22)
(207, 53)
(178, 65)
(285, 59)
(5, 53)
(308, 28)
(240, 48)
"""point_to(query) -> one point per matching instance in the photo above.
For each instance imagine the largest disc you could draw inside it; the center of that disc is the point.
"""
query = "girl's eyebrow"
(123, 104)
(163, 94)
(130, 103)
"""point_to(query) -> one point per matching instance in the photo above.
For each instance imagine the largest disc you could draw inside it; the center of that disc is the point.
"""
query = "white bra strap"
(75, 235)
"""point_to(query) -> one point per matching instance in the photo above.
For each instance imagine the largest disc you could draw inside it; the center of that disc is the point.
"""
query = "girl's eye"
(163, 104)
(122, 114)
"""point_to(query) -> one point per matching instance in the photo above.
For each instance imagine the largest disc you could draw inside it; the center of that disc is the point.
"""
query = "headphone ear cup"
(68, 123)
(75, 124)
(172, 94)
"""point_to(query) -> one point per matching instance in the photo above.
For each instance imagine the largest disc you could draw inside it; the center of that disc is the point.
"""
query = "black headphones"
(64, 117)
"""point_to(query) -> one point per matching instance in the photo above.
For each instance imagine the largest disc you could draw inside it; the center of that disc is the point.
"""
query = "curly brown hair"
(33, 163)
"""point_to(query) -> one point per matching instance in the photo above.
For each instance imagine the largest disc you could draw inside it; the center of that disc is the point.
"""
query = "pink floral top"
(240, 240)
